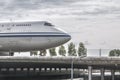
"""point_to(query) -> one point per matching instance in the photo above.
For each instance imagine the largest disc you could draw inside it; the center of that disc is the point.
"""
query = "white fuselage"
(28, 36)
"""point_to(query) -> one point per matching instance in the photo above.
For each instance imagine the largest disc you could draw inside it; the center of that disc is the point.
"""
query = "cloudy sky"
(94, 22)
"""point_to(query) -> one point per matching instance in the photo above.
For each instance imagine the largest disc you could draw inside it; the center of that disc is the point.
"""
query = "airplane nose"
(68, 37)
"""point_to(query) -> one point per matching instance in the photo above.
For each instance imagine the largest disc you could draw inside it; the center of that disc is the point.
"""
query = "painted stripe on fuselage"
(34, 34)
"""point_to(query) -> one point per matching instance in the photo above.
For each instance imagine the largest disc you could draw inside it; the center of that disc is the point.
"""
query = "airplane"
(30, 36)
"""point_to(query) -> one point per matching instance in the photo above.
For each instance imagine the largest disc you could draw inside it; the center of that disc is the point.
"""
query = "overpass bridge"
(61, 64)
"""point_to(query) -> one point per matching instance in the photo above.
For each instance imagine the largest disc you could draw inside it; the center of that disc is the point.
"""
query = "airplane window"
(29, 24)
(23, 25)
(47, 24)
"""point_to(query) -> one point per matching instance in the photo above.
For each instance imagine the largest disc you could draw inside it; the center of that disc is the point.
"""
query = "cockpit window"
(47, 24)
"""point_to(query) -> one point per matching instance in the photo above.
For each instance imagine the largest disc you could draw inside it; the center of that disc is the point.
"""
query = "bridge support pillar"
(28, 71)
(113, 74)
(55, 69)
(45, 69)
(15, 69)
(21, 69)
(50, 69)
(59, 69)
(66, 69)
(102, 73)
(72, 70)
(89, 72)
(39, 69)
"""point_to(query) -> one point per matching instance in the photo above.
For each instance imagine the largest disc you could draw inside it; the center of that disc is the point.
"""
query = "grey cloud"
(99, 11)
(96, 7)
(20, 4)
(36, 4)
(60, 7)
(96, 11)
